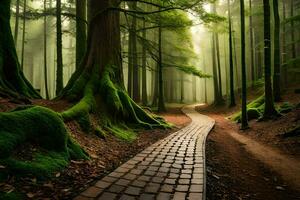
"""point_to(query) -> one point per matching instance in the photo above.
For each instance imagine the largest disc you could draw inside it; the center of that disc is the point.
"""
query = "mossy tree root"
(45, 129)
(103, 95)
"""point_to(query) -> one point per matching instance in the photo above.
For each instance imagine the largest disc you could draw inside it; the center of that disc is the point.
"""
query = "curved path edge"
(172, 168)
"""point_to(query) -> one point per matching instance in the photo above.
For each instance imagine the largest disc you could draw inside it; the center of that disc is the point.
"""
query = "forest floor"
(106, 155)
(257, 163)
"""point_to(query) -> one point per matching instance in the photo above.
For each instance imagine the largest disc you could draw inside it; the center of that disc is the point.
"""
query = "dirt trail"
(283, 164)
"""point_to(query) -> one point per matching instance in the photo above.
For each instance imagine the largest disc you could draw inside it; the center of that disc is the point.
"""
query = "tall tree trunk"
(12, 79)
(23, 34)
(293, 34)
(231, 70)
(244, 119)
(155, 87)
(81, 26)
(284, 53)
(269, 110)
(130, 63)
(135, 81)
(219, 67)
(251, 44)
(215, 72)
(17, 22)
(144, 68)
(45, 52)
(98, 83)
(217, 47)
(181, 87)
(59, 68)
(161, 101)
(277, 71)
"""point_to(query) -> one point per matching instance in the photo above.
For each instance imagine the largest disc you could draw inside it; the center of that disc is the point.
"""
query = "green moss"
(45, 129)
(84, 122)
(127, 135)
(254, 110)
(42, 165)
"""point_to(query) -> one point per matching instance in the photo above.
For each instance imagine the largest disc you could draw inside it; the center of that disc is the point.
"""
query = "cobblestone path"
(172, 168)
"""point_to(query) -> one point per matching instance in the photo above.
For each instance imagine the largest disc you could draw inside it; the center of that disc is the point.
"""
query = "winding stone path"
(172, 168)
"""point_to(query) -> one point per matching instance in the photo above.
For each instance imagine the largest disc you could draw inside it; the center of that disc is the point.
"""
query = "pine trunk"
(269, 111)
(244, 120)
(231, 69)
(277, 71)
(59, 64)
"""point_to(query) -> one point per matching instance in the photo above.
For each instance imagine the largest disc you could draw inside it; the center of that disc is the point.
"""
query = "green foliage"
(42, 127)
(193, 71)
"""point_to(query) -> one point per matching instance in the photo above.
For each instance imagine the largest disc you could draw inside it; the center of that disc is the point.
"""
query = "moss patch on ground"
(45, 129)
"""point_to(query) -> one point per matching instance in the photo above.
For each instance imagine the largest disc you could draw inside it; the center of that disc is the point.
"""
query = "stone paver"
(172, 168)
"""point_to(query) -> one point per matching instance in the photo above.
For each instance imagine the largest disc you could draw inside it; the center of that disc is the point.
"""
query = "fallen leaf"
(279, 188)
(30, 195)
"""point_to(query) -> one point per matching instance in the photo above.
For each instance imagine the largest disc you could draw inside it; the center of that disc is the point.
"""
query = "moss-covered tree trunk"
(11, 77)
(269, 111)
(98, 83)
(80, 30)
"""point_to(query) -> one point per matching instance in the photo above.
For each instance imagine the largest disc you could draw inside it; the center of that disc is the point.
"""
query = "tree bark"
(98, 84)
(231, 69)
(144, 68)
(23, 34)
(45, 52)
(59, 65)
(269, 111)
(81, 28)
(251, 44)
(244, 119)
(277, 66)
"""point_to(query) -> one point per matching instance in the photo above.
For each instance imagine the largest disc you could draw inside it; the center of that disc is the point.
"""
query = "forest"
(149, 99)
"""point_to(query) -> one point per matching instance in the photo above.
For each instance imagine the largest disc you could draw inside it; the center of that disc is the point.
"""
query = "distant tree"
(244, 119)
(277, 55)
(252, 49)
(45, 52)
(269, 111)
(144, 67)
(161, 101)
(23, 33)
(231, 68)
(59, 61)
